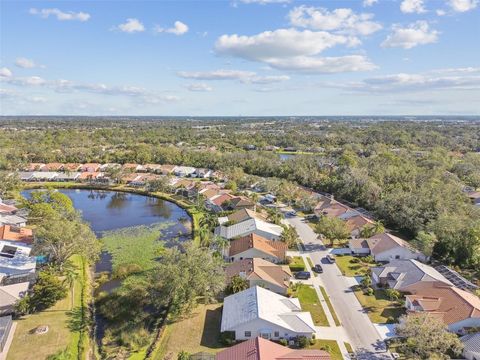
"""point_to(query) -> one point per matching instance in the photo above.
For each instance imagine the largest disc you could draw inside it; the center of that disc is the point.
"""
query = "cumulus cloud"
(341, 20)
(294, 50)
(5, 72)
(27, 63)
(240, 75)
(60, 15)
(131, 26)
(368, 3)
(199, 87)
(179, 28)
(412, 6)
(462, 5)
(417, 33)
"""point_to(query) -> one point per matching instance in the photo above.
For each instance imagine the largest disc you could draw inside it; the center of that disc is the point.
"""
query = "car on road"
(303, 275)
(317, 268)
(330, 258)
(291, 213)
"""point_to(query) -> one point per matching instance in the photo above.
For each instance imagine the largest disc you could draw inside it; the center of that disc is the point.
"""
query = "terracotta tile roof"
(449, 303)
(53, 166)
(273, 248)
(14, 233)
(93, 166)
(89, 175)
(35, 166)
(262, 349)
(238, 201)
(358, 243)
(167, 168)
(7, 209)
(72, 166)
(220, 199)
(259, 269)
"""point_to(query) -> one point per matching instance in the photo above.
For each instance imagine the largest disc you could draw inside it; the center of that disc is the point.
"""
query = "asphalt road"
(363, 336)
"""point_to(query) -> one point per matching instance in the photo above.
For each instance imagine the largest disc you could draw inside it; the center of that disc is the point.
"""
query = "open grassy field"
(350, 267)
(331, 346)
(379, 307)
(59, 319)
(199, 331)
(310, 302)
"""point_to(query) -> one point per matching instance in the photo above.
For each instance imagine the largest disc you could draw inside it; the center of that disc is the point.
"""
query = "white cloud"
(341, 20)
(26, 63)
(325, 65)
(418, 33)
(60, 15)
(200, 87)
(281, 43)
(131, 26)
(412, 6)
(5, 72)
(462, 5)
(368, 3)
(178, 28)
(240, 75)
(440, 79)
(441, 12)
(265, 2)
(294, 50)
(27, 81)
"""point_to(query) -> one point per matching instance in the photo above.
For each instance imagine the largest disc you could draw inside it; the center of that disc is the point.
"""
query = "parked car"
(291, 213)
(318, 268)
(330, 258)
(303, 275)
(311, 217)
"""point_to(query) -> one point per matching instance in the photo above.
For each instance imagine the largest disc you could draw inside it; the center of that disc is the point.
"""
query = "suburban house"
(53, 167)
(260, 312)
(240, 202)
(88, 176)
(255, 246)
(90, 167)
(385, 247)
(44, 176)
(167, 169)
(7, 209)
(183, 171)
(74, 167)
(216, 202)
(15, 220)
(68, 176)
(356, 222)
(107, 166)
(155, 168)
(457, 308)
(250, 226)
(241, 215)
(262, 273)
(35, 167)
(133, 167)
(202, 173)
(19, 235)
(471, 346)
(15, 259)
(262, 349)
(10, 294)
(403, 274)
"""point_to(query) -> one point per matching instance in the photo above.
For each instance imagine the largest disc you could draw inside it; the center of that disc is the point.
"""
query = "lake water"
(284, 157)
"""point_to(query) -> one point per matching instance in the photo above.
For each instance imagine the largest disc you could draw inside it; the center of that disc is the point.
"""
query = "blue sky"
(240, 57)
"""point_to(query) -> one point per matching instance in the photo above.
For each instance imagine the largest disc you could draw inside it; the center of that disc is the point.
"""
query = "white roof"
(184, 169)
(259, 303)
(247, 227)
(44, 175)
(19, 263)
(9, 294)
(11, 219)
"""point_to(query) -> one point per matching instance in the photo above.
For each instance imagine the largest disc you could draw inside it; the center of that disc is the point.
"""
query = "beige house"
(255, 246)
(262, 273)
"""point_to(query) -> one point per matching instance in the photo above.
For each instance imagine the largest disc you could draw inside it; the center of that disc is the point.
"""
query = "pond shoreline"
(189, 209)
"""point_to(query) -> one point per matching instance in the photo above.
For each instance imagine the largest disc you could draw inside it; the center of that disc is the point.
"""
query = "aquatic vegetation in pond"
(134, 249)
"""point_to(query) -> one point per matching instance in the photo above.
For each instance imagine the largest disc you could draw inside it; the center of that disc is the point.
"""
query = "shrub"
(369, 259)
(355, 260)
(369, 291)
(283, 342)
(227, 338)
(312, 341)
(302, 341)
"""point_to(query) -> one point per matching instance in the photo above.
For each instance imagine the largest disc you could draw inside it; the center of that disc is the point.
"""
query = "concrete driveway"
(361, 332)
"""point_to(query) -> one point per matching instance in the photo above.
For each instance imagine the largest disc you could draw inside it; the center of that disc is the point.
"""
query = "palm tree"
(220, 243)
(70, 272)
(238, 284)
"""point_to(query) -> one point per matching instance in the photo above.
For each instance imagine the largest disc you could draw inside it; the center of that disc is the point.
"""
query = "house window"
(248, 333)
(276, 334)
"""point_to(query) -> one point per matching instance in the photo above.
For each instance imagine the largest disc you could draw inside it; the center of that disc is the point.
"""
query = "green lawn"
(309, 301)
(331, 346)
(379, 308)
(297, 264)
(349, 267)
(330, 306)
(199, 331)
(26, 345)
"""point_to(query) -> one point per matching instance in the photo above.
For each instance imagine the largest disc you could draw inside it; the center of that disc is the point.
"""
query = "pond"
(286, 156)
(111, 211)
